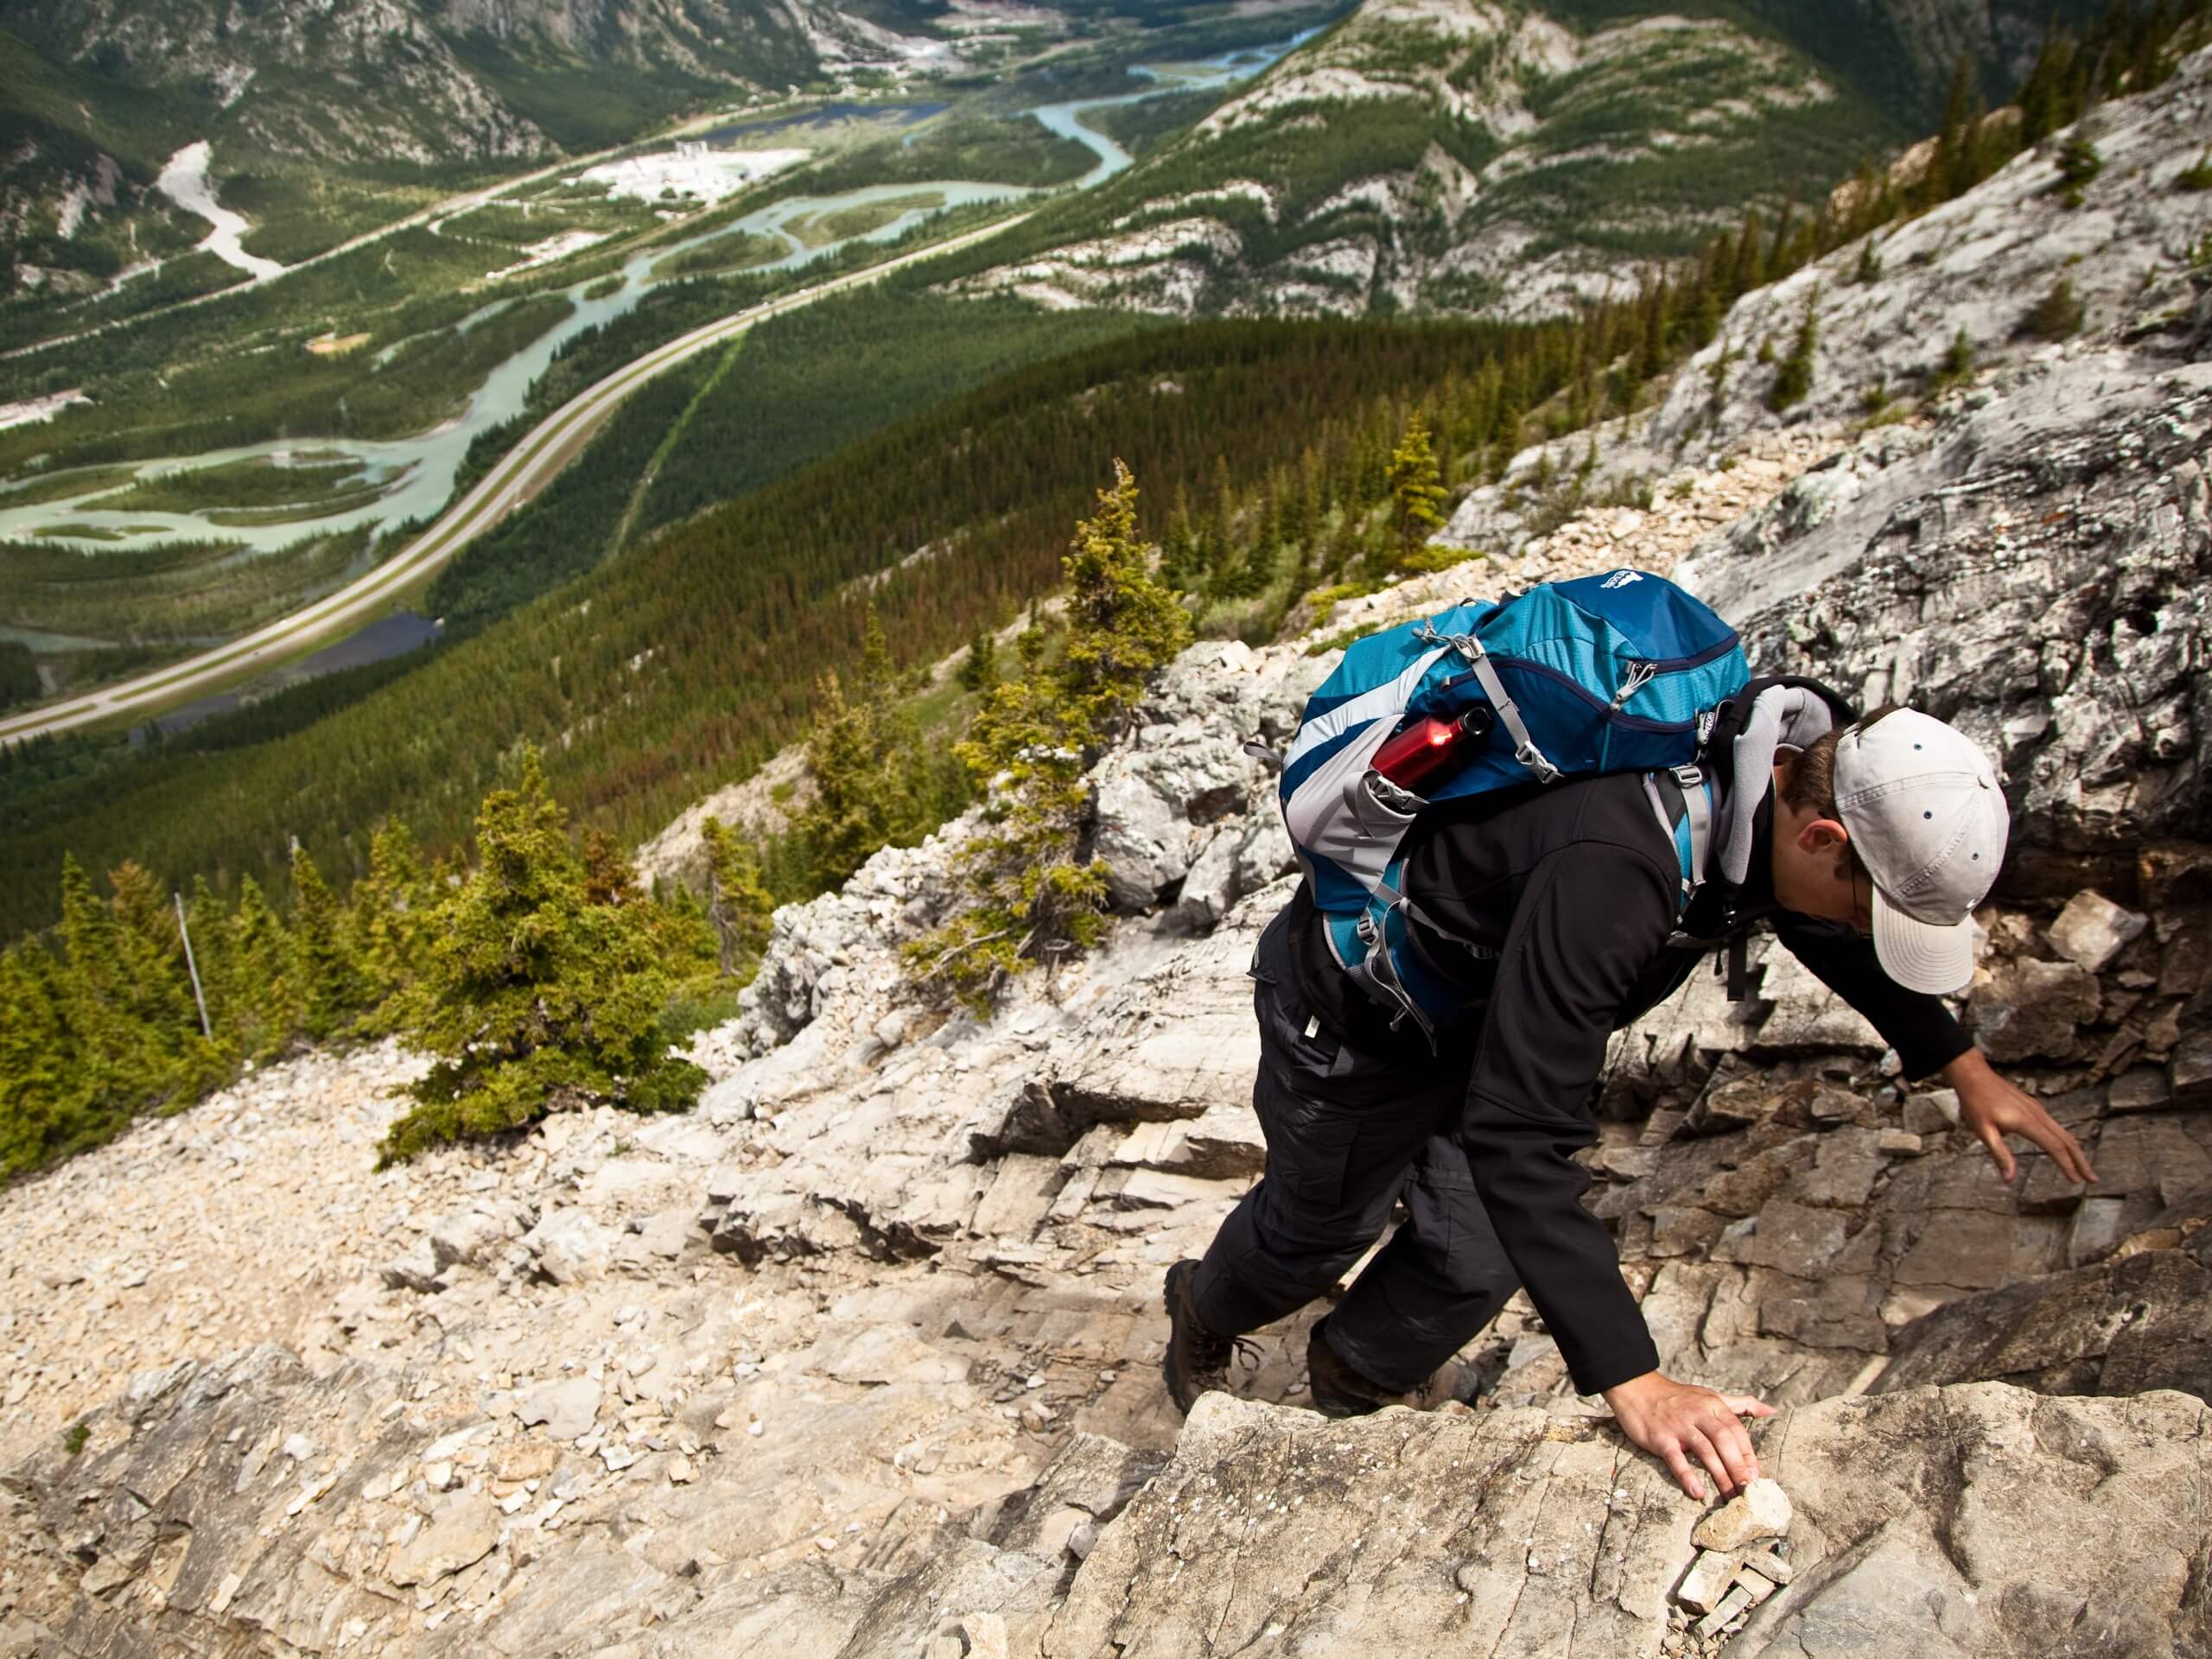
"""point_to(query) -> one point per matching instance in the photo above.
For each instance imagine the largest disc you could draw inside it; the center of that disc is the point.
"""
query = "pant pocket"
(1312, 1153)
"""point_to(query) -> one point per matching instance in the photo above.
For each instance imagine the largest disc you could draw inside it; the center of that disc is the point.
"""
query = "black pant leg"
(1442, 1277)
(1343, 1128)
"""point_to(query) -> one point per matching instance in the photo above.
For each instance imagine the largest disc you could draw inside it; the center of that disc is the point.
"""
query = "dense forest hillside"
(1510, 160)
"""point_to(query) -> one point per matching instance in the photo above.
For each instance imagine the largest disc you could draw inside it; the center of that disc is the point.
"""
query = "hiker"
(1542, 918)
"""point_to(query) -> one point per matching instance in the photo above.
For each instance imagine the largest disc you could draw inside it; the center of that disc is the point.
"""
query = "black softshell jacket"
(1575, 889)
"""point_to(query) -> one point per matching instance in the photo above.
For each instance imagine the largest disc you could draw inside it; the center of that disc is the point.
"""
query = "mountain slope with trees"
(1504, 159)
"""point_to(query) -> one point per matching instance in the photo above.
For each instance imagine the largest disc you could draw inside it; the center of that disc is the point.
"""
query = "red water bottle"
(1430, 748)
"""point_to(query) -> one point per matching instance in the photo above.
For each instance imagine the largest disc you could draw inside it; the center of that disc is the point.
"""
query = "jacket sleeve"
(1925, 1034)
(1589, 917)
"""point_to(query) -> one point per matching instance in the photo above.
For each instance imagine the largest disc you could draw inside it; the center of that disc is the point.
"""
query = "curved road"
(520, 474)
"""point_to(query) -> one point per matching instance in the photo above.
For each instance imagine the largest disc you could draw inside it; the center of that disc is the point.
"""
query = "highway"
(520, 474)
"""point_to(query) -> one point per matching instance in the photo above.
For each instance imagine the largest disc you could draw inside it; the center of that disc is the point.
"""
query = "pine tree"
(266, 1004)
(166, 1055)
(850, 815)
(1181, 557)
(90, 986)
(46, 1098)
(209, 925)
(534, 999)
(1030, 900)
(1958, 361)
(331, 990)
(738, 905)
(1417, 495)
(876, 783)
(391, 907)
(979, 669)
(2042, 94)
(1748, 269)
(1794, 378)
(2058, 316)
(1953, 140)
(609, 877)
(1221, 544)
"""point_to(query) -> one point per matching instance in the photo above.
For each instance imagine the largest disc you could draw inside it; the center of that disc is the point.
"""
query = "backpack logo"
(1622, 578)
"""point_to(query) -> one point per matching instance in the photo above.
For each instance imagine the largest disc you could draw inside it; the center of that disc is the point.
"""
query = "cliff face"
(861, 1357)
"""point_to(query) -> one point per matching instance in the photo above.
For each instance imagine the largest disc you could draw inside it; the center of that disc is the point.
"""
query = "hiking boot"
(1196, 1361)
(1340, 1391)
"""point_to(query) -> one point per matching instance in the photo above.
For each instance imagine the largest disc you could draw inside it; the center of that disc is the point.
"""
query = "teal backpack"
(1620, 672)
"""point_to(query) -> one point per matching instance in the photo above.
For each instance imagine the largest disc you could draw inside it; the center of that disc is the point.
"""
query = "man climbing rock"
(1553, 913)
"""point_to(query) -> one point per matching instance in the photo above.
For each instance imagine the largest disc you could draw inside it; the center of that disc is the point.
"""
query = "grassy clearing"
(298, 211)
(238, 484)
(176, 593)
(63, 485)
(740, 250)
(75, 531)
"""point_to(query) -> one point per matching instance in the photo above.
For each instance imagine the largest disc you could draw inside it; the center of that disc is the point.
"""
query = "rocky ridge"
(861, 1357)
(2132, 252)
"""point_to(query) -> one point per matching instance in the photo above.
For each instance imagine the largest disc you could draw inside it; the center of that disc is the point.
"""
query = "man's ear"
(1822, 836)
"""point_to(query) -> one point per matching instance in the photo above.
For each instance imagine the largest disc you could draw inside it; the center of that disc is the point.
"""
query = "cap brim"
(1922, 955)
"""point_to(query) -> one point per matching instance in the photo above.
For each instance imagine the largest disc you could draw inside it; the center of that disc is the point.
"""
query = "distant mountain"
(430, 81)
(1506, 159)
(96, 94)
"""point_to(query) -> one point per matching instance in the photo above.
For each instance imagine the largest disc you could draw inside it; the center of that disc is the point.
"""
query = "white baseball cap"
(1924, 809)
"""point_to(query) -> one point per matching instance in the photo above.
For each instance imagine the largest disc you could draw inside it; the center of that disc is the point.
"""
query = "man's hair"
(1811, 784)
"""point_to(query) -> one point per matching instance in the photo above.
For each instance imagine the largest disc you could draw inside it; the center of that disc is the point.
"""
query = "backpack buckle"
(1534, 757)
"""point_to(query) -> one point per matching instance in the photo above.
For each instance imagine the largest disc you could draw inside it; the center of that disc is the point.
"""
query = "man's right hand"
(1679, 1421)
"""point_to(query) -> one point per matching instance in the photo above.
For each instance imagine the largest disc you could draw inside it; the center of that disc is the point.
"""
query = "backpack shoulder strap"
(1682, 800)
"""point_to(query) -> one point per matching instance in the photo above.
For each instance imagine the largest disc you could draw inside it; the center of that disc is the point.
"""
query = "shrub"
(2079, 164)
(2057, 316)
(1957, 363)
(1794, 378)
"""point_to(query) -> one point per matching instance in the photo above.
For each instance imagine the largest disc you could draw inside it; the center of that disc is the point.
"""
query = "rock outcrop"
(1990, 1520)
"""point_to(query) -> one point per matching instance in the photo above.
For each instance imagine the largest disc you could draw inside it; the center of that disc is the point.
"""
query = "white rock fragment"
(567, 1407)
(1707, 1581)
(1736, 1601)
(2091, 930)
(1760, 1511)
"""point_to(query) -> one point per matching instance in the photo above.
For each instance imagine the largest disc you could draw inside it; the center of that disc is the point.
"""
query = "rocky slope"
(861, 1357)
(2133, 251)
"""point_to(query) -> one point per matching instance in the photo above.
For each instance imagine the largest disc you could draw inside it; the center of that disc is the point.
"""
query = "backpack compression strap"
(1501, 701)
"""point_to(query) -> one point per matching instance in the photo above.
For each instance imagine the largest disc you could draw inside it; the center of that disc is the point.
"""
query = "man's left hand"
(1990, 1108)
